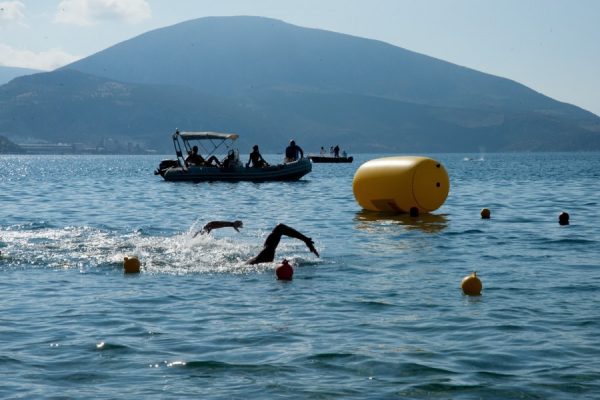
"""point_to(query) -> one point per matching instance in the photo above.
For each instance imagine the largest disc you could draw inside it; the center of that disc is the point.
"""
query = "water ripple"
(379, 315)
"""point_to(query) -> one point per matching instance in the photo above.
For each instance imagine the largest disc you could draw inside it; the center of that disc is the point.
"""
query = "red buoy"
(284, 271)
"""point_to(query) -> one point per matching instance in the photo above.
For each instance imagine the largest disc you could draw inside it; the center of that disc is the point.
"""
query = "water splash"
(90, 249)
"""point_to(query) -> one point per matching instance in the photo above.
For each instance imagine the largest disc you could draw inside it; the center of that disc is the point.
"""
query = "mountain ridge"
(9, 73)
(271, 81)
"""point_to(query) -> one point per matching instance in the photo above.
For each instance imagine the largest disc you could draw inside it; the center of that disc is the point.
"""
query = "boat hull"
(281, 172)
(331, 159)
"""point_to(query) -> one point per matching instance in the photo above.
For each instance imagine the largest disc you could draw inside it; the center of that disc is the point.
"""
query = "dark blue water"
(379, 315)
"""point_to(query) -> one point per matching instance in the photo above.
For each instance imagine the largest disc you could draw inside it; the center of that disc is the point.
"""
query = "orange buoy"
(563, 218)
(284, 271)
(131, 265)
(471, 285)
(485, 213)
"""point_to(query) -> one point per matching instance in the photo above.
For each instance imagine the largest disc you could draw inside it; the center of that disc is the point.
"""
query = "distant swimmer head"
(563, 218)
(485, 213)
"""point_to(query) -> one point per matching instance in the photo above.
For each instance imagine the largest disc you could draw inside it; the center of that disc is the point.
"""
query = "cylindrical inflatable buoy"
(131, 265)
(284, 271)
(401, 183)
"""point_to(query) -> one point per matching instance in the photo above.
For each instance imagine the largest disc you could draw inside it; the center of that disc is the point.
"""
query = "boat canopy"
(207, 135)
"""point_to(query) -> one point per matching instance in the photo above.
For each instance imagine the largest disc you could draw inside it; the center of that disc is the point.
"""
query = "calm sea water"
(379, 315)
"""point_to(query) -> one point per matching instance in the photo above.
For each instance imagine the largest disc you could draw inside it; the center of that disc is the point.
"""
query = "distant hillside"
(9, 73)
(88, 108)
(6, 146)
(271, 81)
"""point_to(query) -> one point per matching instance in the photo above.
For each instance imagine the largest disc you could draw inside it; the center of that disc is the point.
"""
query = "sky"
(551, 46)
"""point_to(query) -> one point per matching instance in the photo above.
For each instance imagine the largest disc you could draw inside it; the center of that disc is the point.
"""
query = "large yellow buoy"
(401, 183)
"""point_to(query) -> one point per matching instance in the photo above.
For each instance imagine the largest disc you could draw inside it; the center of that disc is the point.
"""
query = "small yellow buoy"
(471, 285)
(131, 265)
(406, 184)
(485, 213)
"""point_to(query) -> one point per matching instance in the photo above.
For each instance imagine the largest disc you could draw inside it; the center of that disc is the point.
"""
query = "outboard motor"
(165, 165)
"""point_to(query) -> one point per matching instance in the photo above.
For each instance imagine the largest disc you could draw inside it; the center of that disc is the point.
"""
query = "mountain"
(87, 108)
(240, 55)
(270, 81)
(6, 146)
(9, 73)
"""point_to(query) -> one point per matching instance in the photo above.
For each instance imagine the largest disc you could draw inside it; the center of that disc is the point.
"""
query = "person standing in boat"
(267, 254)
(292, 152)
(336, 151)
(256, 159)
(196, 159)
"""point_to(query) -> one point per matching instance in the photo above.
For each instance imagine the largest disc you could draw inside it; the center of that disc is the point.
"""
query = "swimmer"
(563, 218)
(267, 254)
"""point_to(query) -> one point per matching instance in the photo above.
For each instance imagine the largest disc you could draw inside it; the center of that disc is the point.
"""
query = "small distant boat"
(179, 170)
(330, 159)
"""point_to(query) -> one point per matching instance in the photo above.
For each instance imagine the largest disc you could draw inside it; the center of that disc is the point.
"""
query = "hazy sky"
(552, 46)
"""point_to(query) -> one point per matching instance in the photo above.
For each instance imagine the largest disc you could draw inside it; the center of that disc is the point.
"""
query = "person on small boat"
(256, 159)
(196, 159)
(293, 152)
(336, 151)
(231, 160)
(267, 254)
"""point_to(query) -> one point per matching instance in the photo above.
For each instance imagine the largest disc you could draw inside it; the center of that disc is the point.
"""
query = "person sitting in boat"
(267, 254)
(256, 159)
(292, 152)
(230, 160)
(196, 159)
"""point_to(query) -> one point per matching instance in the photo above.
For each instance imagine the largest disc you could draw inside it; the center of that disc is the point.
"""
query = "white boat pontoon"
(232, 169)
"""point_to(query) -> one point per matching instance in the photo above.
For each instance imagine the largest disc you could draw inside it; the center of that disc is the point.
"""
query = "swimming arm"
(220, 224)
(291, 232)
(268, 252)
